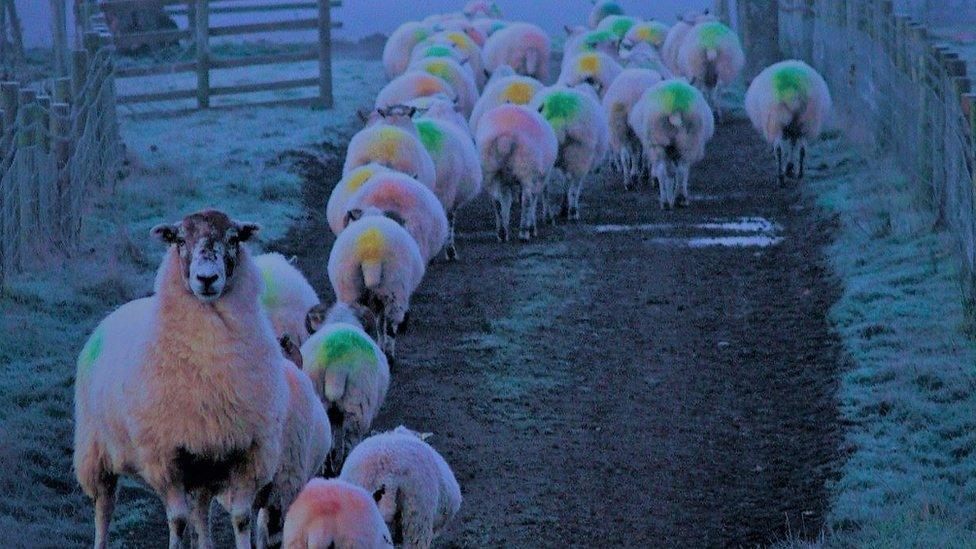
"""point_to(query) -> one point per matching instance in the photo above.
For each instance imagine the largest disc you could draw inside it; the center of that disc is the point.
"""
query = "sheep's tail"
(334, 384)
(532, 61)
(618, 119)
(320, 538)
(506, 144)
(372, 274)
(676, 120)
(711, 54)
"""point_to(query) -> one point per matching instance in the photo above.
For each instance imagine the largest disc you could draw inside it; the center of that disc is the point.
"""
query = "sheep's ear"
(353, 215)
(291, 350)
(315, 318)
(411, 111)
(247, 230)
(378, 495)
(568, 29)
(395, 216)
(488, 74)
(425, 436)
(363, 117)
(165, 232)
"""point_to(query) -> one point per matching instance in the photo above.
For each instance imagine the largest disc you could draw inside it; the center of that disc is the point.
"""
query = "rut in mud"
(644, 377)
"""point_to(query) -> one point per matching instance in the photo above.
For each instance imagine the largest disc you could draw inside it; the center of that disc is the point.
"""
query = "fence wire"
(897, 96)
(52, 166)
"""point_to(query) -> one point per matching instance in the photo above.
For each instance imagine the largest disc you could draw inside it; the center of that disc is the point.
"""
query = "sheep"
(621, 97)
(517, 90)
(377, 264)
(307, 443)
(788, 102)
(518, 151)
(711, 56)
(479, 8)
(437, 50)
(457, 77)
(391, 140)
(399, 46)
(522, 46)
(411, 85)
(676, 37)
(185, 389)
(644, 56)
(440, 107)
(673, 122)
(350, 374)
(406, 201)
(414, 487)
(580, 41)
(595, 69)
(617, 25)
(603, 9)
(652, 33)
(334, 513)
(487, 27)
(457, 164)
(468, 51)
(287, 296)
(581, 129)
(475, 32)
(335, 210)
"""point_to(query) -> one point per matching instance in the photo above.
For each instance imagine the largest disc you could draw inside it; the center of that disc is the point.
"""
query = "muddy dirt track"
(612, 385)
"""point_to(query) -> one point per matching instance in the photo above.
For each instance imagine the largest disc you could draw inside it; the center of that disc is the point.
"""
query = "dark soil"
(608, 390)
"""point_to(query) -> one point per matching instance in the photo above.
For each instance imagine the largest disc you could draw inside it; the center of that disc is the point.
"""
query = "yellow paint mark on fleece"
(387, 144)
(371, 245)
(460, 40)
(358, 177)
(588, 64)
(519, 93)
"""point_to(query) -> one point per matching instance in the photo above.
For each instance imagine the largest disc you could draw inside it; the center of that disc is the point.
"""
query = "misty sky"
(363, 17)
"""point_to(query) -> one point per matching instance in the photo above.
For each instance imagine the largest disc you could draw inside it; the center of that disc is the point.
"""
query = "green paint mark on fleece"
(269, 297)
(90, 352)
(711, 33)
(790, 82)
(675, 97)
(438, 51)
(441, 70)
(560, 108)
(344, 348)
(610, 8)
(595, 38)
(621, 26)
(431, 136)
(420, 35)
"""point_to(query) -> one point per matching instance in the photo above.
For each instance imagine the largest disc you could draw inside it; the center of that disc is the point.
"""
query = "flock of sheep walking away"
(233, 382)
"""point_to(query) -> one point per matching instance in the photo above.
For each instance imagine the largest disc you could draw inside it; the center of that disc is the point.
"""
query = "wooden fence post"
(44, 122)
(202, 39)
(9, 96)
(60, 23)
(325, 53)
(26, 135)
(61, 132)
(62, 90)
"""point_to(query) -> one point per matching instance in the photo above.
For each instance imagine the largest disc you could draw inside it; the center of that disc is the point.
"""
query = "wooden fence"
(901, 93)
(59, 145)
(198, 33)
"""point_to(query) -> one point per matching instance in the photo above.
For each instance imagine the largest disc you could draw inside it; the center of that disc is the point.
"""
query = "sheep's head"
(209, 245)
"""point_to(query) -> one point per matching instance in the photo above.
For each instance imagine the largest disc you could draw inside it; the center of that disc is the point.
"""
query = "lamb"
(406, 201)
(307, 443)
(350, 374)
(391, 140)
(595, 69)
(621, 97)
(518, 151)
(414, 487)
(516, 90)
(673, 122)
(144, 406)
(411, 85)
(287, 296)
(711, 56)
(399, 46)
(522, 46)
(581, 129)
(603, 9)
(334, 513)
(676, 38)
(457, 77)
(457, 164)
(377, 264)
(787, 103)
(617, 25)
(335, 210)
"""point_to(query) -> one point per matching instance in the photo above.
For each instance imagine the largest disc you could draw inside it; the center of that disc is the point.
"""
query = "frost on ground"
(232, 159)
(910, 391)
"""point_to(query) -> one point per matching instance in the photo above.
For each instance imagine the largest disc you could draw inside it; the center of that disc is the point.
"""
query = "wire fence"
(899, 92)
(59, 146)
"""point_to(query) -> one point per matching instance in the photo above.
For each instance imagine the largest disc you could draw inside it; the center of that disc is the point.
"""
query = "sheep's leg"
(505, 213)
(501, 218)
(240, 517)
(717, 103)
(573, 197)
(684, 197)
(526, 220)
(803, 158)
(779, 165)
(177, 512)
(200, 519)
(450, 249)
(105, 492)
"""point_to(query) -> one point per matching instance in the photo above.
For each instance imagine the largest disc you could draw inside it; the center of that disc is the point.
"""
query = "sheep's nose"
(207, 281)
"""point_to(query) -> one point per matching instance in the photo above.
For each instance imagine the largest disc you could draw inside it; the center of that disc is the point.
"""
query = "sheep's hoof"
(451, 253)
(574, 215)
(682, 202)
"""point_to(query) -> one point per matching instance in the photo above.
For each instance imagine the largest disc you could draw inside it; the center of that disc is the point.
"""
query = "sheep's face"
(209, 246)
